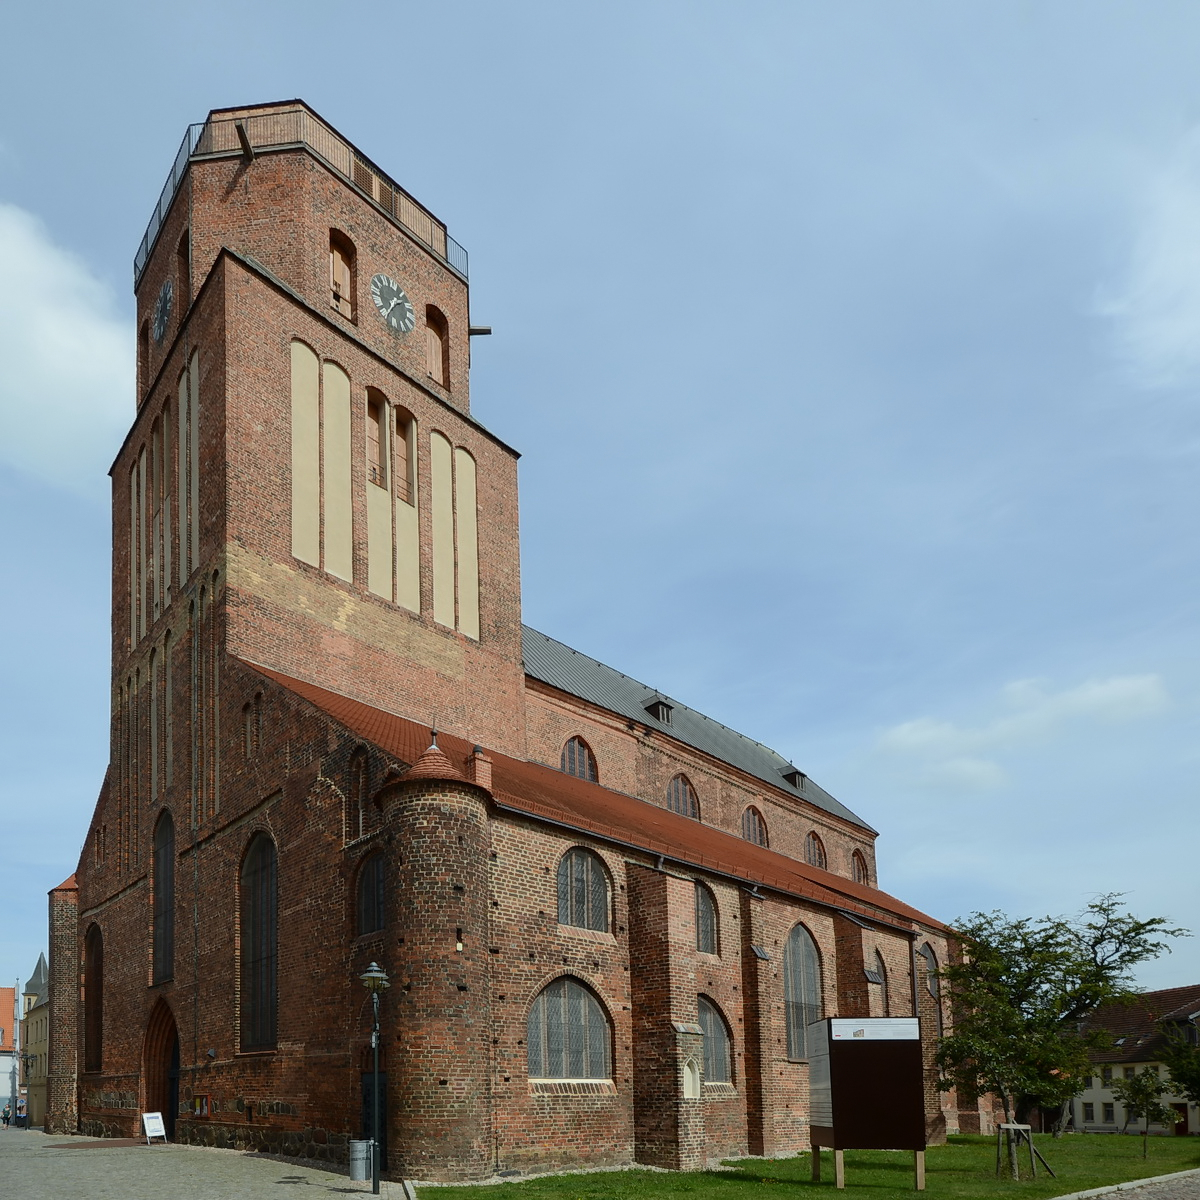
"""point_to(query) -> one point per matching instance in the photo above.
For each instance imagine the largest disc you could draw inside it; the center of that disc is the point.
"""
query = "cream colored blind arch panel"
(339, 522)
(441, 486)
(466, 540)
(306, 456)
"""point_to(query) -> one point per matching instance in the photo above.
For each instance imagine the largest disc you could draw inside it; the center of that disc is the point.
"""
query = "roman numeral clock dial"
(394, 306)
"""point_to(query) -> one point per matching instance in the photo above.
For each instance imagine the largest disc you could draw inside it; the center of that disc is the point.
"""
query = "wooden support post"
(816, 1170)
(919, 1168)
(839, 1169)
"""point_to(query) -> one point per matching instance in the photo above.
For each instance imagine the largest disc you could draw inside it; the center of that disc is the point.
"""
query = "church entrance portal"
(160, 1066)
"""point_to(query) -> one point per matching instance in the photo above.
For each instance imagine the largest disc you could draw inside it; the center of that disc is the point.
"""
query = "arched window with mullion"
(569, 1035)
(583, 890)
(801, 989)
(93, 999)
(707, 930)
(370, 895)
(681, 797)
(718, 1066)
(754, 828)
(814, 851)
(260, 944)
(578, 760)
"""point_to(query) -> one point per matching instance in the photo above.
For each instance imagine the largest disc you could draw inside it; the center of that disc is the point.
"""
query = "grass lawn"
(964, 1168)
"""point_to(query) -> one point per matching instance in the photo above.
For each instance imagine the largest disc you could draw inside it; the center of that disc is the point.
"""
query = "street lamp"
(375, 979)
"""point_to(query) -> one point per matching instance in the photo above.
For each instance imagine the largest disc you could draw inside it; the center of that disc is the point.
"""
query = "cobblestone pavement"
(35, 1166)
(1186, 1187)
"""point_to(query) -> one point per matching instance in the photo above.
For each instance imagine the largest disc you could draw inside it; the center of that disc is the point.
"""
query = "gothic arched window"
(93, 999)
(858, 865)
(681, 797)
(583, 890)
(717, 1056)
(801, 989)
(754, 828)
(881, 971)
(164, 898)
(260, 943)
(814, 851)
(933, 985)
(370, 895)
(437, 346)
(578, 760)
(707, 936)
(569, 1036)
(341, 273)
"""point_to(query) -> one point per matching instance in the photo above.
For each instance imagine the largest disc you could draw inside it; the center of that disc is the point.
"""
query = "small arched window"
(858, 867)
(717, 1064)
(707, 925)
(933, 985)
(377, 438)
(814, 851)
(164, 899)
(801, 989)
(93, 999)
(370, 895)
(405, 460)
(569, 1036)
(437, 346)
(881, 971)
(341, 273)
(358, 791)
(681, 797)
(260, 943)
(583, 890)
(754, 828)
(578, 760)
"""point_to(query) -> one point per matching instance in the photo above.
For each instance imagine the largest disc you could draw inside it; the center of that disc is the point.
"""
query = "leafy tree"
(1021, 991)
(1141, 1097)
(1183, 1062)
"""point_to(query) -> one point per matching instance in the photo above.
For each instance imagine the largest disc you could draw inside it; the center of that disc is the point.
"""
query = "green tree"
(1182, 1057)
(1141, 1097)
(1021, 991)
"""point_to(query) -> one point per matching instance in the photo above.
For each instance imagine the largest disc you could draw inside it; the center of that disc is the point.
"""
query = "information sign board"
(152, 1123)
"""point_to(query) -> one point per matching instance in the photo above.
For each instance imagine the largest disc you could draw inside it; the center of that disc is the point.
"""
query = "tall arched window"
(569, 1034)
(933, 985)
(578, 760)
(164, 899)
(681, 797)
(260, 944)
(858, 866)
(754, 828)
(881, 971)
(707, 936)
(801, 989)
(405, 460)
(814, 851)
(370, 895)
(717, 1064)
(341, 273)
(582, 890)
(377, 438)
(437, 346)
(93, 999)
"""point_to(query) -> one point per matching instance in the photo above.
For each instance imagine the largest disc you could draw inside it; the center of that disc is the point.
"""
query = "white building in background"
(1138, 1035)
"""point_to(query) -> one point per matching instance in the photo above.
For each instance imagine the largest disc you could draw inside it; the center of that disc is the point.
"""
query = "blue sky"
(853, 350)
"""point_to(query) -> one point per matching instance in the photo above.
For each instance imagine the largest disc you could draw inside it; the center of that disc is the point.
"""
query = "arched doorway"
(160, 1065)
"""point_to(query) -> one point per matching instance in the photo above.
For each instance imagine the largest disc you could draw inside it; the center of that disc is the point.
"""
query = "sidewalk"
(36, 1166)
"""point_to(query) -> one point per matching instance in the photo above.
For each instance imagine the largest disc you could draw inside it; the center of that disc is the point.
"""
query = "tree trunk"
(1006, 1100)
(1145, 1136)
(1061, 1123)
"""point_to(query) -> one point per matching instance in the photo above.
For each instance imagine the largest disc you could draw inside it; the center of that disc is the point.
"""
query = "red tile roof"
(1137, 1023)
(538, 791)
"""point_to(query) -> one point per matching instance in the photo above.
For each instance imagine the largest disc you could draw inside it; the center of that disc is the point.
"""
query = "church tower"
(304, 485)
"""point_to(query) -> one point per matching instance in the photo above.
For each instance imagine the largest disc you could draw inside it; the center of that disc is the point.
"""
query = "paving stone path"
(1186, 1187)
(35, 1166)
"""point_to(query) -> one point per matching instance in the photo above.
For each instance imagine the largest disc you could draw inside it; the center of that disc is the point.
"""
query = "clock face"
(162, 310)
(394, 306)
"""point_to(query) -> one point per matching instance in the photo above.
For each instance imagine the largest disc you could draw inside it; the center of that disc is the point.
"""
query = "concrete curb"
(1129, 1185)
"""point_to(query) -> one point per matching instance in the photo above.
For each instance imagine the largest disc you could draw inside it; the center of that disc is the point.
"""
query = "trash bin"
(360, 1160)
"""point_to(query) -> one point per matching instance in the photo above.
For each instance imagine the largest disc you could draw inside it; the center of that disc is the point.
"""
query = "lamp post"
(375, 979)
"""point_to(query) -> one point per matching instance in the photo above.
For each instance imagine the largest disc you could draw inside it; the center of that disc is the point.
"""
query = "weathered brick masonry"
(275, 818)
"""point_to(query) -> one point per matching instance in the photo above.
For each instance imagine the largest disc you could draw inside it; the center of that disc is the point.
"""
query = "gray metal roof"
(558, 665)
(39, 981)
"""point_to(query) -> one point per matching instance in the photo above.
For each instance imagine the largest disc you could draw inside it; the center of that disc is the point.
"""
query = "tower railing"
(283, 128)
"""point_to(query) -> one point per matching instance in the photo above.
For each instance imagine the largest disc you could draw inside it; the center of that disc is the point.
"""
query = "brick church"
(606, 918)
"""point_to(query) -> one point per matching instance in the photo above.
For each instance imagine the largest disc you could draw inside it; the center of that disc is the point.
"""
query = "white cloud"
(1157, 310)
(67, 382)
(959, 756)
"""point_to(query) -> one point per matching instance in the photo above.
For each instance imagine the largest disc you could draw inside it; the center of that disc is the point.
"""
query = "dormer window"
(659, 709)
(341, 273)
(794, 776)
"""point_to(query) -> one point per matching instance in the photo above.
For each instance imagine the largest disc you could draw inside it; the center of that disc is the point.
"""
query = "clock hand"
(395, 301)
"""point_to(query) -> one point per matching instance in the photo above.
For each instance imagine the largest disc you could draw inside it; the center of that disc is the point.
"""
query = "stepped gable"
(538, 791)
